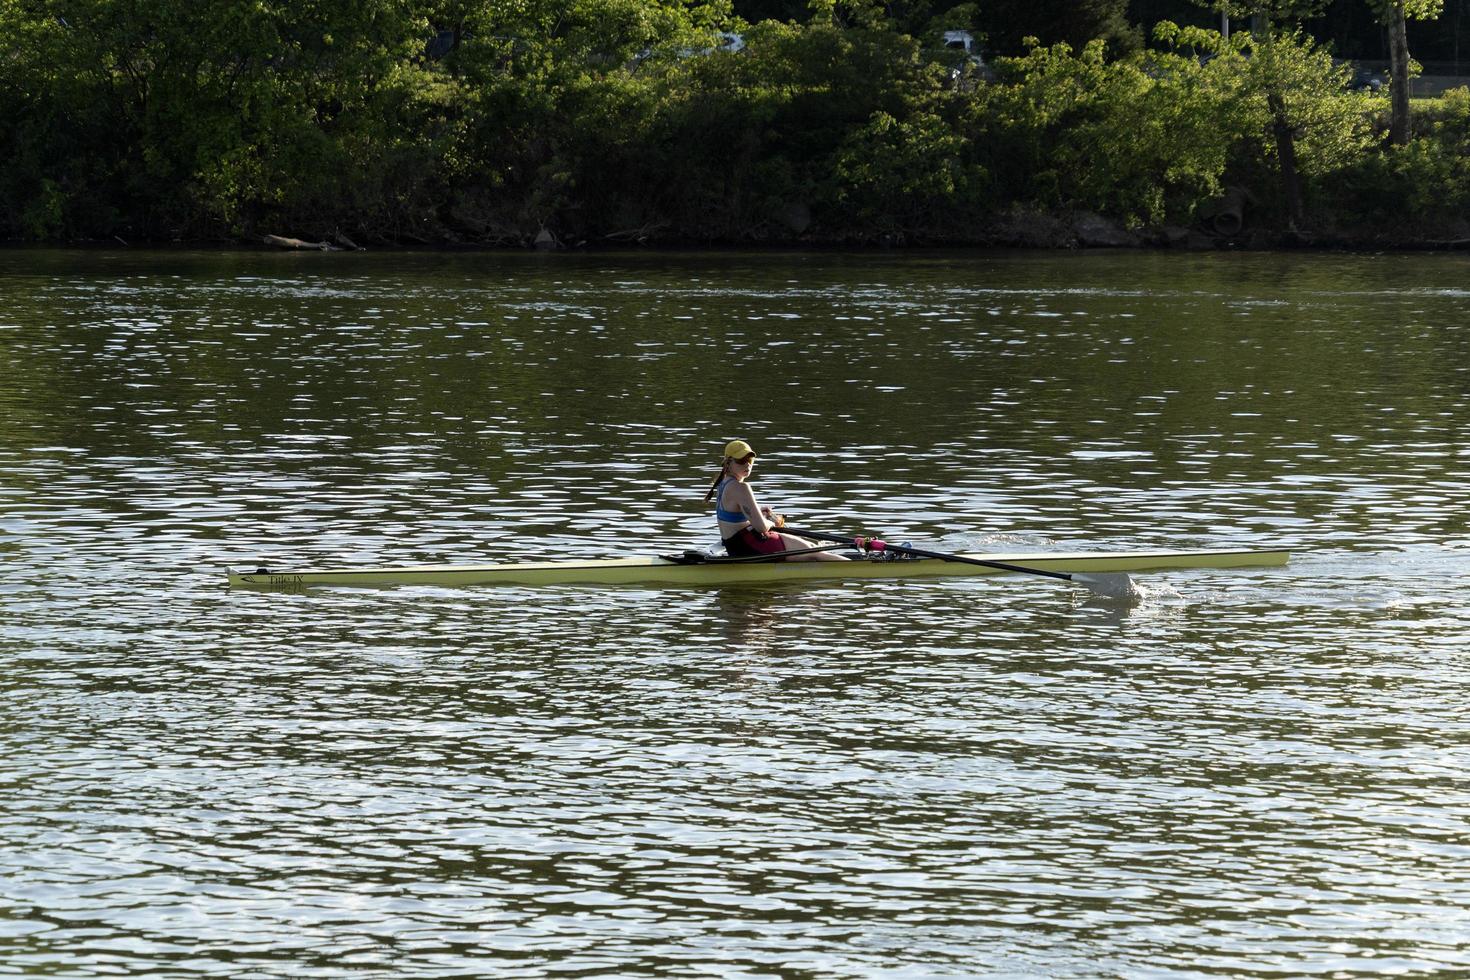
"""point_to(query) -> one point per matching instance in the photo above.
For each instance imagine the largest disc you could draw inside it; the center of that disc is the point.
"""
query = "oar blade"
(1112, 585)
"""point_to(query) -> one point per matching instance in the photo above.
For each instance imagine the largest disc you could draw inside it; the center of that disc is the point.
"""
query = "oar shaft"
(873, 544)
(962, 559)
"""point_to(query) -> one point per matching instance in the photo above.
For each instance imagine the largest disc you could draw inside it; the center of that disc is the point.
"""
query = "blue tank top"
(727, 516)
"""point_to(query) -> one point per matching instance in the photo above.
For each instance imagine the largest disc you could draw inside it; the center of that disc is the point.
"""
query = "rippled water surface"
(1256, 772)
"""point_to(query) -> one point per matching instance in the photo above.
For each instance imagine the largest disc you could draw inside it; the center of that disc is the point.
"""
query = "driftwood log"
(280, 242)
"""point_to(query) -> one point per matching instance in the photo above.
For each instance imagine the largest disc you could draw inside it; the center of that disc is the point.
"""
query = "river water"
(1255, 772)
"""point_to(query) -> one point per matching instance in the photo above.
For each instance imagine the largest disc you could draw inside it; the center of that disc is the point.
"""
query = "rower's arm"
(751, 509)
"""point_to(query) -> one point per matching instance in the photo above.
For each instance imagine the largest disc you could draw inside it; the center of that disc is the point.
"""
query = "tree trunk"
(1398, 65)
(1291, 180)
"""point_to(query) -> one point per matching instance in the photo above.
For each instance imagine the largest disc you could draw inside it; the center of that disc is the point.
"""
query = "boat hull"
(661, 571)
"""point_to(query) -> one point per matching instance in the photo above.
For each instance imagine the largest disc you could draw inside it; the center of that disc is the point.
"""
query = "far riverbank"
(810, 135)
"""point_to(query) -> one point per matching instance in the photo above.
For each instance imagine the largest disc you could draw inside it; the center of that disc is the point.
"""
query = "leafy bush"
(1420, 189)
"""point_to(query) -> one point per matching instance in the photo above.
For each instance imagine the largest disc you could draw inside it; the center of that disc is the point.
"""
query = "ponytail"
(716, 485)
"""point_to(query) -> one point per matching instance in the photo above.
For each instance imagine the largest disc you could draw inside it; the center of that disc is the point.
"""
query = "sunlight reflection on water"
(1252, 772)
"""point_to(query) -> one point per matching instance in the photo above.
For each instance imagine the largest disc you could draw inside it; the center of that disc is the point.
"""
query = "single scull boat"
(694, 568)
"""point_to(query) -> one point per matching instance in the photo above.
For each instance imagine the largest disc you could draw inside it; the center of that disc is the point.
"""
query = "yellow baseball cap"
(739, 449)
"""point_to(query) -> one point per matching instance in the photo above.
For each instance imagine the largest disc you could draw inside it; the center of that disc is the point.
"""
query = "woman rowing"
(747, 528)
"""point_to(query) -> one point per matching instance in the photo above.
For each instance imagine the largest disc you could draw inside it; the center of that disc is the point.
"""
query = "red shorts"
(747, 541)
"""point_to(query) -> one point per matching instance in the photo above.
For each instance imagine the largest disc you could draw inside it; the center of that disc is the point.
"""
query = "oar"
(1114, 585)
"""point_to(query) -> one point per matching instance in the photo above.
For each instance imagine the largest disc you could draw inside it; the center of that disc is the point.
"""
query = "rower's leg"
(794, 543)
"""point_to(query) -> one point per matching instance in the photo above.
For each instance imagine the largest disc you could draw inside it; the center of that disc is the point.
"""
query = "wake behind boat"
(698, 569)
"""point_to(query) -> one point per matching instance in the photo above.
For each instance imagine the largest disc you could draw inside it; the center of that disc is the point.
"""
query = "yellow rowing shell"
(663, 571)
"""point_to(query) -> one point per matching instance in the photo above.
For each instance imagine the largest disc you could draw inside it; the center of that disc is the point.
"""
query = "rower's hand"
(778, 520)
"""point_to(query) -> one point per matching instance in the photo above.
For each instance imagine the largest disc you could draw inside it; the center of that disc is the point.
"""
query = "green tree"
(1300, 114)
(769, 128)
(906, 177)
(204, 118)
(1394, 15)
(1142, 139)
